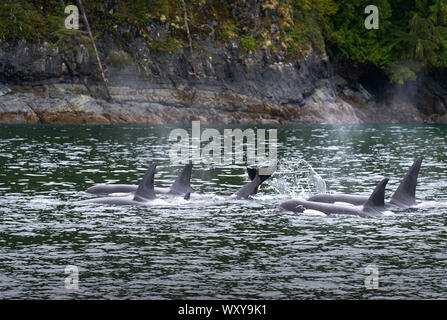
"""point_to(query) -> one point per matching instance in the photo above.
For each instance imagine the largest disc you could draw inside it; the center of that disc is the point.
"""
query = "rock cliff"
(42, 84)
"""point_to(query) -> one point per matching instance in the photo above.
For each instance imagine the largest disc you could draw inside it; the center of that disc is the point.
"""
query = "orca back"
(111, 188)
(356, 200)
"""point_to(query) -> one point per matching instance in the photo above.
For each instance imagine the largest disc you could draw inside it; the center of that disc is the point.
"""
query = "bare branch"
(101, 70)
(185, 18)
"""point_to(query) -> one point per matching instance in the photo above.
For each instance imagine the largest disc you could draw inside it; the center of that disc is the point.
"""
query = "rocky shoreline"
(40, 85)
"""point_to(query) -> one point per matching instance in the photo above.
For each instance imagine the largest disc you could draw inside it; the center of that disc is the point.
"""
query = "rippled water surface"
(214, 248)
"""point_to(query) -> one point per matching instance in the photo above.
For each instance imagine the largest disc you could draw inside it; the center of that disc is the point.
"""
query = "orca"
(145, 192)
(247, 190)
(374, 206)
(404, 197)
(181, 185)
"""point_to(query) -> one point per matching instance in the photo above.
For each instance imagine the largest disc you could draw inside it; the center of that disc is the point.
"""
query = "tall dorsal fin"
(376, 201)
(182, 184)
(145, 189)
(251, 173)
(406, 192)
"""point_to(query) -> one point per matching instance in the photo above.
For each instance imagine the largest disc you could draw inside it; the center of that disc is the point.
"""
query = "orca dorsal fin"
(252, 173)
(187, 196)
(376, 202)
(145, 189)
(182, 184)
(406, 191)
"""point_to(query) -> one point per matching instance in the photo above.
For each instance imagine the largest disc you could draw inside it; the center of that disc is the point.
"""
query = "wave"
(296, 179)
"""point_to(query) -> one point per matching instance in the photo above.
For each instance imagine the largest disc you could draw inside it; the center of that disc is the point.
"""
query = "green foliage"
(227, 31)
(248, 43)
(135, 12)
(66, 41)
(411, 35)
(403, 70)
(20, 20)
(305, 33)
(347, 36)
(166, 44)
(118, 59)
(323, 7)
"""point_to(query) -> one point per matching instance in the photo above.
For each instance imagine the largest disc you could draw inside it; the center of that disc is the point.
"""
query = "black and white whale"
(374, 206)
(145, 192)
(404, 197)
(181, 186)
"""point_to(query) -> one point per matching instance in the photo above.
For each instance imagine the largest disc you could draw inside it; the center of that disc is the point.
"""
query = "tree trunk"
(185, 18)
(101, 70)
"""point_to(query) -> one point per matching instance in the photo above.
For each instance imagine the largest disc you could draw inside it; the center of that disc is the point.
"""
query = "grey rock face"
(41, 84)
(231, 86)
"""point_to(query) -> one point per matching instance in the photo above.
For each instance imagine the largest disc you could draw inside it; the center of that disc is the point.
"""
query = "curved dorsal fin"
(145, 189)
(376, 202)
(182, 184)
(406, 191)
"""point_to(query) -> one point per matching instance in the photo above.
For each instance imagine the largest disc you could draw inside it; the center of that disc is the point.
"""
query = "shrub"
(118, 59)
(248, 43)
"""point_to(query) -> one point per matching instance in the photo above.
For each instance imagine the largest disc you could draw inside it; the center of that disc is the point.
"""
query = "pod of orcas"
(181, 185)
(145, 191)
(328, 204)
(403, 198)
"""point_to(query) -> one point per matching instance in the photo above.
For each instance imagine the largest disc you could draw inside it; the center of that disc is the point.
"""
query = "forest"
(412, 35)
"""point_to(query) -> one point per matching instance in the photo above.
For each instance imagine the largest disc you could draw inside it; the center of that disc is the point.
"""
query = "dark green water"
(212, 248)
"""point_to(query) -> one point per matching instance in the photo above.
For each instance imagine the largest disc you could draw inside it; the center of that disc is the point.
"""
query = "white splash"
(296, 179)
(430, 204)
